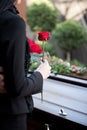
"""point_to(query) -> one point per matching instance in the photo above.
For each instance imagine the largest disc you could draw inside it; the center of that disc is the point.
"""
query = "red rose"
(34, 47)
(43, 36)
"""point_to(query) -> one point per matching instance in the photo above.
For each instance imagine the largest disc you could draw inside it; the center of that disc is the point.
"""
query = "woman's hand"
(45, 69)
(2, 83)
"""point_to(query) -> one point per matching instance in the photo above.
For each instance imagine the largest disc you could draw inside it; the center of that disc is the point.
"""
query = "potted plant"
(42, 17)
(69, 35)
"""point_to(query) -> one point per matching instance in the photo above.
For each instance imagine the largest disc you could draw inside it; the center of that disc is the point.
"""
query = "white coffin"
(69, 97)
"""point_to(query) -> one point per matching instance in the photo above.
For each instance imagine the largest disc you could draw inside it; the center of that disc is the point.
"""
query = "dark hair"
(5, 4)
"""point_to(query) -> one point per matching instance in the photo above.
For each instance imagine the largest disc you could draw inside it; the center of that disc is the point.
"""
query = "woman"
(16, 97)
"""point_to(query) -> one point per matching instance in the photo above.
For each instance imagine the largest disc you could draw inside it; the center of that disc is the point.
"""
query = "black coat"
(13, 55)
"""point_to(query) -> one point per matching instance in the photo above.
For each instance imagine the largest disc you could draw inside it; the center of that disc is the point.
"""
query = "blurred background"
(66, 20)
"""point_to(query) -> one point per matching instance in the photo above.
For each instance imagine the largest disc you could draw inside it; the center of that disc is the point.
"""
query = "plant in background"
(64, 67)
(42, 17)
(69, 35)
(58, 65)
(50, 48)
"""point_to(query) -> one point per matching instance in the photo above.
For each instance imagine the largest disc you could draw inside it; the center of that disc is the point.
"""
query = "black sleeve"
(16, 82)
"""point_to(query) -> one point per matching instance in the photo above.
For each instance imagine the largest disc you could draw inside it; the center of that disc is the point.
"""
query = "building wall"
(21, 6)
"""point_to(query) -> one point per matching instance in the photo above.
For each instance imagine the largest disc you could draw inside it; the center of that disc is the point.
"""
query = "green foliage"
(35, 61)
(41, 17)
(48, 2)
(48, 48)
(59, 66)
(76, 62)
(69, 35)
